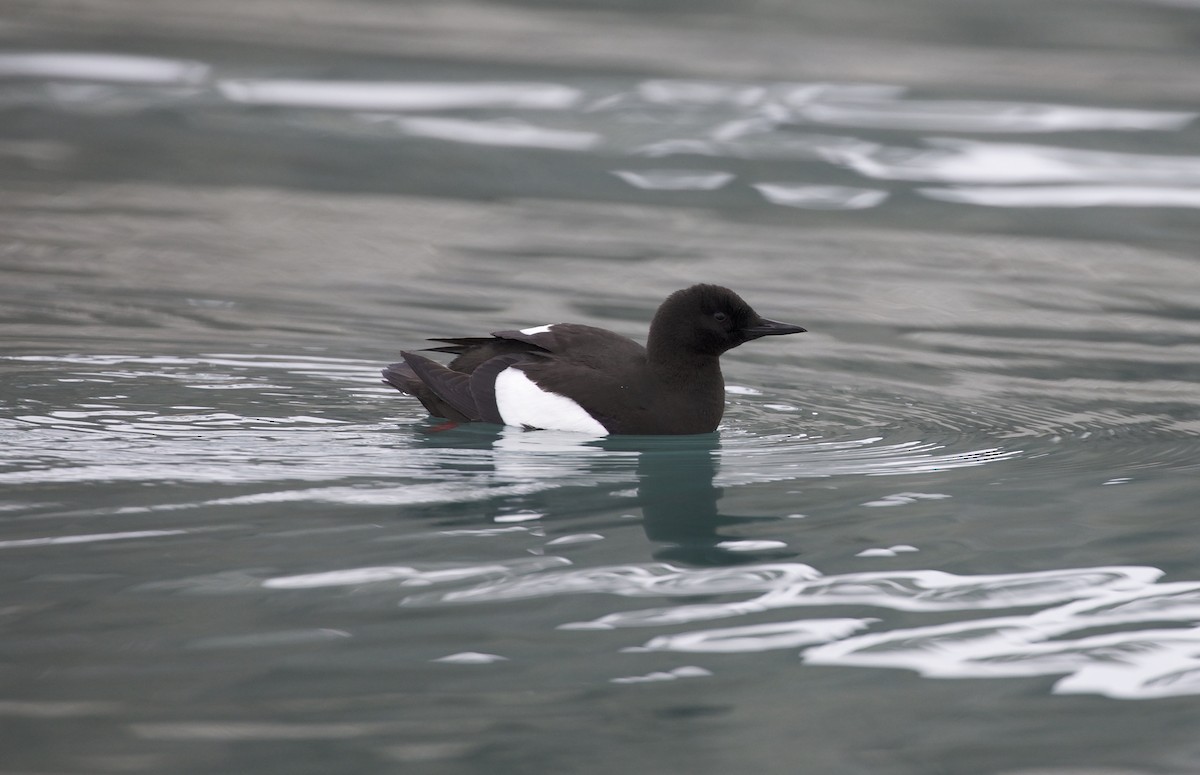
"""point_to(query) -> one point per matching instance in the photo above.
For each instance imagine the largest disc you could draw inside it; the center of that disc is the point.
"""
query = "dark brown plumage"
(673, 385)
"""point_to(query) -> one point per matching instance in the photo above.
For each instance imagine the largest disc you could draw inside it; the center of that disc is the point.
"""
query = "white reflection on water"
(397, 95)
(758, 637)
(414, 575)
(87, 538)
(500, 132)
(972, 116)
(968, 161)
(732, 120)
(470, 658)
(102, 67)
(685, 671)
(544, 457)
(888, 551)
(787, 585)
(1130, 664)
(905, 498)
(883, 106)
(1069, 196)
(820, 197)
(675, 180)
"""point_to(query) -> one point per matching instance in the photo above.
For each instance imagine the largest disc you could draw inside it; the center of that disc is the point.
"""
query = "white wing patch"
(523, 403)
(537, 330)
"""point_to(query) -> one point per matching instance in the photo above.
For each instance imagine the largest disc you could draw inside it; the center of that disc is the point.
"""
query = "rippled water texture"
(951, 529)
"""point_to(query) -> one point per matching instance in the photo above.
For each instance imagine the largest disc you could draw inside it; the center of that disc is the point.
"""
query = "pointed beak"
(766, 327)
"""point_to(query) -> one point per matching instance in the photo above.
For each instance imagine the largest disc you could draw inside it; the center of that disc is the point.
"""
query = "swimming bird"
(573, 377)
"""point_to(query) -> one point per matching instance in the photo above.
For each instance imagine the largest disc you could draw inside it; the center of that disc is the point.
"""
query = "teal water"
(952, 529)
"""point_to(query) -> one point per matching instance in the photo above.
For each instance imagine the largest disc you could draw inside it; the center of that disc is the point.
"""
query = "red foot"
(446, 426)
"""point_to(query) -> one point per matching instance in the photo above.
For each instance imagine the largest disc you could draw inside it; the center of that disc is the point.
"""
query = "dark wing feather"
(473, 352)
(399, 376)
(459, 345)
(582, 345)
(571, 341)
(452, 387)
(403, 378)
(543, 340)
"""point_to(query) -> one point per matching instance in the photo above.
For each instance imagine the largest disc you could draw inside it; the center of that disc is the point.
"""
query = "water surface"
(950, 529)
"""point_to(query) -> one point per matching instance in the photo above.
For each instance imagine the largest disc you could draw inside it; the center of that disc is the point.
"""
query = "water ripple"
(1069, 196)
(1054, 639)
(318, 438)
(117, 68)
(811, 124)
(793, 584)
(414, 575)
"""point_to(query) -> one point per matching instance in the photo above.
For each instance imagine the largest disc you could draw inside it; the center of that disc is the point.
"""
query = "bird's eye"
(720, 317)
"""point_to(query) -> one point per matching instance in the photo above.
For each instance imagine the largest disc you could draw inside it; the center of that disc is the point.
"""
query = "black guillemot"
(567, 376)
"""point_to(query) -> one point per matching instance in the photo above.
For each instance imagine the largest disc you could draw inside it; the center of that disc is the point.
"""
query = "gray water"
(952, 529)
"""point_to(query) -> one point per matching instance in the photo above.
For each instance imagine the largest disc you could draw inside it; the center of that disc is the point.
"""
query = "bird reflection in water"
(678, 496)
(563, 474)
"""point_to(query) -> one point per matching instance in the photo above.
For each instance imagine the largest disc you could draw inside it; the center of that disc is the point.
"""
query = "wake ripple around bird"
(829, 431)
(253, 419)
